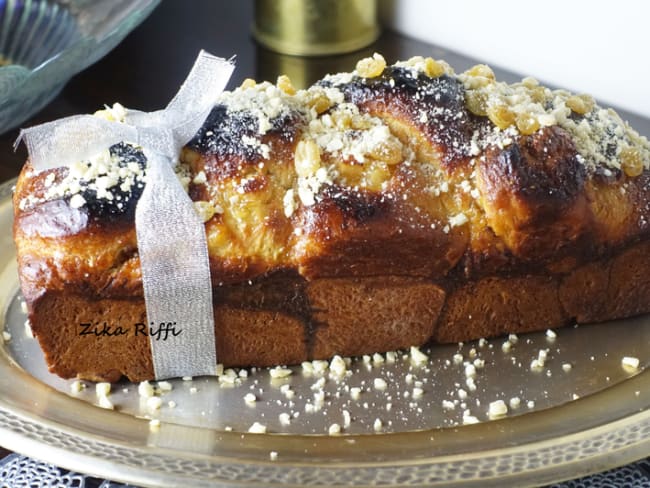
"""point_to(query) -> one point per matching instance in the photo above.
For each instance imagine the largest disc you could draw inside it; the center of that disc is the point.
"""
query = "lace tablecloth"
(22, 472)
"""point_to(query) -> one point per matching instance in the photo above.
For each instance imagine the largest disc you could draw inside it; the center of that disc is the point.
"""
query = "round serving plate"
(403, 420)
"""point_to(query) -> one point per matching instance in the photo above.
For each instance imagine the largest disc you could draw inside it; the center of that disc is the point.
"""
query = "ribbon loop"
(172, 245)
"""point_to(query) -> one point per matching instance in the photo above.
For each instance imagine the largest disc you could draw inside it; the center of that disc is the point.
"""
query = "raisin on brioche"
(379, 209)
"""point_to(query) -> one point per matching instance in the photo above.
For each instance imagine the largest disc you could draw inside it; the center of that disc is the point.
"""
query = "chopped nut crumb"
(417, 356)
(536, 365)
(28, 329)
(280, 372)
(337, 366)
(630, 363)
(347, 418)
(77, 201)
(468, 418)
(229, 378)
(497, 409)
(334, 429)
(377, 359)
(380, 384)
(470, 371)
(288, 392)
(284, 84)
(145, 389)
(154, 403)
(320, 367)
(307, 367)
(371, 67)
(542, 355)
(257, 428)
(77, 386)
(320, 383)
(102, 389)
(448, 405)
(200, 178)
(458, 220)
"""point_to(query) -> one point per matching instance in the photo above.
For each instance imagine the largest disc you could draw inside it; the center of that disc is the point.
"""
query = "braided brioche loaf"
(379, 209)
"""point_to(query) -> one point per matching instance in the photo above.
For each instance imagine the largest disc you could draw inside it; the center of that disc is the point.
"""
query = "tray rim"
(34, 444)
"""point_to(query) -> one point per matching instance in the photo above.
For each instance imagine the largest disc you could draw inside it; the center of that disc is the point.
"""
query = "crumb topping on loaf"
(330, 117)
(602, 138)
(111, 182)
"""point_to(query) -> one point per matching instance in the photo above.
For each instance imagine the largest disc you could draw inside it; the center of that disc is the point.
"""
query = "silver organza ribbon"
(171, 237)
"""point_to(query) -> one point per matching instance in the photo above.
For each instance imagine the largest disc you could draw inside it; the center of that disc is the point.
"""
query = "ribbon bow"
(171, 238)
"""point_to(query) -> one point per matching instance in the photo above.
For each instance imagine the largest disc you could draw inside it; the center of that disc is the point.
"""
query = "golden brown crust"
(448, 227)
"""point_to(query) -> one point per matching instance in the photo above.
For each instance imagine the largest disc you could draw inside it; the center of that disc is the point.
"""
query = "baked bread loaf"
(379, 209)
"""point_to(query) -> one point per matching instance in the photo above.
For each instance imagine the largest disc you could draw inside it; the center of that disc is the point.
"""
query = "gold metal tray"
(571, 421)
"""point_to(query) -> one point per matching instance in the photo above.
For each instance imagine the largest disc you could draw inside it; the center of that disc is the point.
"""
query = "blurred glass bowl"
(43, 43)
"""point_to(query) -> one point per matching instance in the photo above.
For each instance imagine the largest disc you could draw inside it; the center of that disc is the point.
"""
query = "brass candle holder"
(315, 27)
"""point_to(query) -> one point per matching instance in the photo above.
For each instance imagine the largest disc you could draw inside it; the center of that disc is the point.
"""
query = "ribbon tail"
(176, 276)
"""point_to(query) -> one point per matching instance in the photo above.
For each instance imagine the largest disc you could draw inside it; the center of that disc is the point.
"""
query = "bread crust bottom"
(306, 320)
